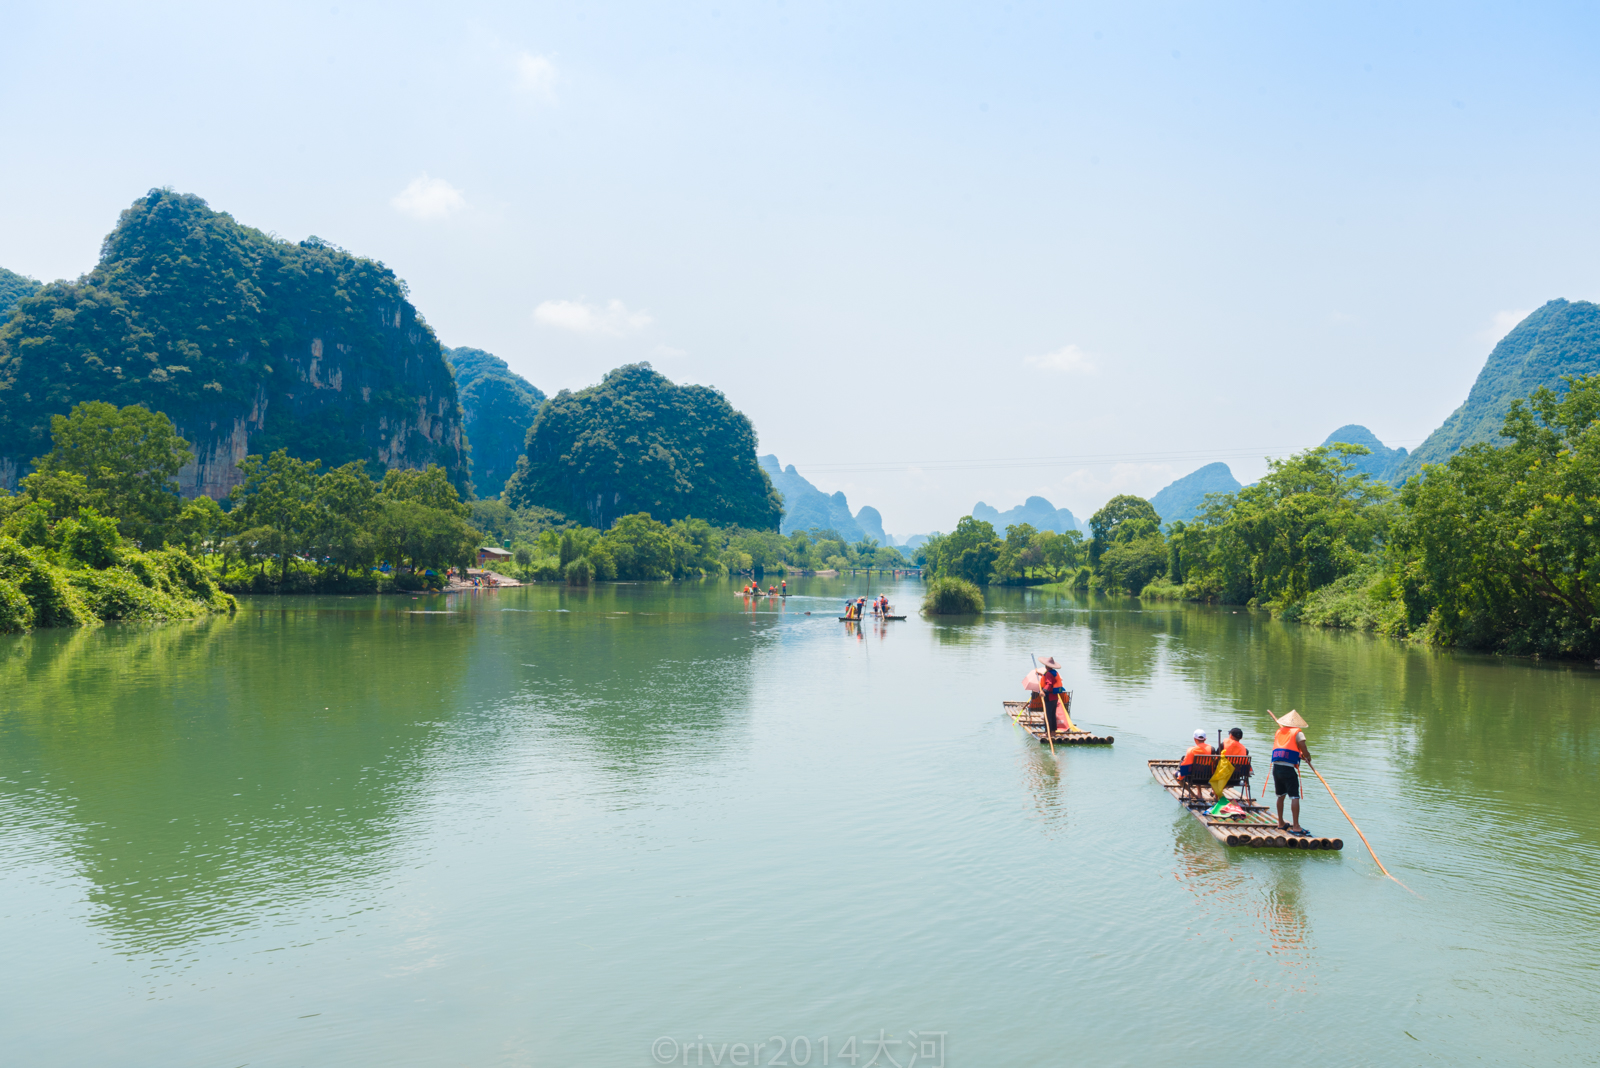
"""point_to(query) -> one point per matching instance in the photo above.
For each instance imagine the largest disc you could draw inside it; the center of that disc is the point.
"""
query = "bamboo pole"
(1364, 841)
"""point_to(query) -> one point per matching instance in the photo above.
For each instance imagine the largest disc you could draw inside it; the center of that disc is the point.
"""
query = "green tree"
(1499, 548)
(1106, 524)
(274, 506)
(969, 552)
(1308, 522)
(129, 460)
(430, 487)
(344, 508)
(640, 546)
(199, 524)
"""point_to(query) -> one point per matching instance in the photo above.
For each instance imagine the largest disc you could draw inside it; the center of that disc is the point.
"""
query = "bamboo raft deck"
(863, 619)
(1259, 827)
(1032, 721)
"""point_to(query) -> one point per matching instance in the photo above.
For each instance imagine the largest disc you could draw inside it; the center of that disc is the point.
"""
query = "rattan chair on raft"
(1205, 767)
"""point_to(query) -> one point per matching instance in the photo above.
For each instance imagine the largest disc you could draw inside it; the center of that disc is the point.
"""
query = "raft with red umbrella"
(1029, 715)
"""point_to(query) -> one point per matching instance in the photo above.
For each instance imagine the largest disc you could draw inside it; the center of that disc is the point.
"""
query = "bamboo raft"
(1258, 827)
(853, 619)
(1030, 717)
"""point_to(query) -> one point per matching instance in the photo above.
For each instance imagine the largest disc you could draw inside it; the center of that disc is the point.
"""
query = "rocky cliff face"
(248, 343)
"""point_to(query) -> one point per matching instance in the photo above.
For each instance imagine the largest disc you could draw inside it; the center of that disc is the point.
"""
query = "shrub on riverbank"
(951, 596)
(41, 586)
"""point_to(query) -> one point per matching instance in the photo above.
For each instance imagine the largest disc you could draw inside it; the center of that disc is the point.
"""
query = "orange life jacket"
(1197, 749)
(1286, 746)
(1233, 748)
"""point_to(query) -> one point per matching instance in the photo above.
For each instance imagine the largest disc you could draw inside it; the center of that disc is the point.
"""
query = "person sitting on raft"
(1050, 690)
(1190, 773)
(1288, 747)
(1234, 749)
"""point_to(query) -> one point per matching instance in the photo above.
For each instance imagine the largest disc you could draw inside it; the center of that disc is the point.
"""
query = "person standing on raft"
(1050, 690)
(1288, 749)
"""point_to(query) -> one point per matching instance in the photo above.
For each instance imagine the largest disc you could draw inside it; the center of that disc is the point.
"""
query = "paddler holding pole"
(1288, 749)
(1050, 690)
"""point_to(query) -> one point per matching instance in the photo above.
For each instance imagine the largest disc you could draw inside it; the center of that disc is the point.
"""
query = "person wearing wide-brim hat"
(1288, 749)
(1050, 690)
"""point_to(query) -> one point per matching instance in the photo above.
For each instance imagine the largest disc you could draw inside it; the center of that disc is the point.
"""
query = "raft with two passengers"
(855, 611)
(1047, 715)
(1213, 784)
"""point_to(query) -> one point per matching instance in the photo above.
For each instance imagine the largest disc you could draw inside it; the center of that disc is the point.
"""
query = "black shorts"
(1286, 781)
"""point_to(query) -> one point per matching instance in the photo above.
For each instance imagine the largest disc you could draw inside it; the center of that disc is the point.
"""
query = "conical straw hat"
(1290, 719)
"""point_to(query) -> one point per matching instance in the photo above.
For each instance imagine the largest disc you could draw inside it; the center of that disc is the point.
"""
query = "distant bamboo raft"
(1031, 720)
(1258, 827)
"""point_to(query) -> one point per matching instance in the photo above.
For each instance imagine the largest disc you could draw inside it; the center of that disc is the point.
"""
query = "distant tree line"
(1497, 549)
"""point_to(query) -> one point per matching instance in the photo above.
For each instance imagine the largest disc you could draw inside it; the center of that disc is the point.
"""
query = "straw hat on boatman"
(1288, 749)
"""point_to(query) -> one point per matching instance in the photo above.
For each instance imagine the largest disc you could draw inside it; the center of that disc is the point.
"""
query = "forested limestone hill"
(498, 406)
(1182, 500)
(247, 342)
(1380, 463)
(13, 287)
(638, 443)
(1561, 338)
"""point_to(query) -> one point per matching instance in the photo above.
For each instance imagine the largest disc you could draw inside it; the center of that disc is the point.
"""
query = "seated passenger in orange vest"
(1234, 749)
(1288, 748)
(1187, 770)
(1234, 746)
(1050, 690)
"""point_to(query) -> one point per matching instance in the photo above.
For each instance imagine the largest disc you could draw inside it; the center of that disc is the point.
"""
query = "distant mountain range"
(1036, 511)
(805, 507)
(1182, 500)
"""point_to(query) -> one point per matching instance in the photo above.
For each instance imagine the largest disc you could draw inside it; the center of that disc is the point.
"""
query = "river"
(643, 823)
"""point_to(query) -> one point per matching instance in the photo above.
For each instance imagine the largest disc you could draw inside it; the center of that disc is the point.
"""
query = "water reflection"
(205, 776)
(1262, 894)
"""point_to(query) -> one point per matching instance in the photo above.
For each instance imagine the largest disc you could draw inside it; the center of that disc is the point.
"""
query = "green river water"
(647, 823)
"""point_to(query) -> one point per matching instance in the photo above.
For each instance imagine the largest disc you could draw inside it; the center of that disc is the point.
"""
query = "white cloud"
(667, 352)
(611, 319)
(1069, 359)
(536, 76)
(1502, 323)
(429, 198)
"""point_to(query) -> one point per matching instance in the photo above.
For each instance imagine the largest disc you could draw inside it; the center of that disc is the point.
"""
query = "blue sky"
(938, 253)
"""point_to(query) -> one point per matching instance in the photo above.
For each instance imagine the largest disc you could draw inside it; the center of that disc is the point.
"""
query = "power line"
(1082, 460)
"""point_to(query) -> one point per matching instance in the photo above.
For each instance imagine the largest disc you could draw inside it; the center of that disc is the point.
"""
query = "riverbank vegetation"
(97, 531)
(950, 596)
(974, 553)
(1495, 549)
(67, 559)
